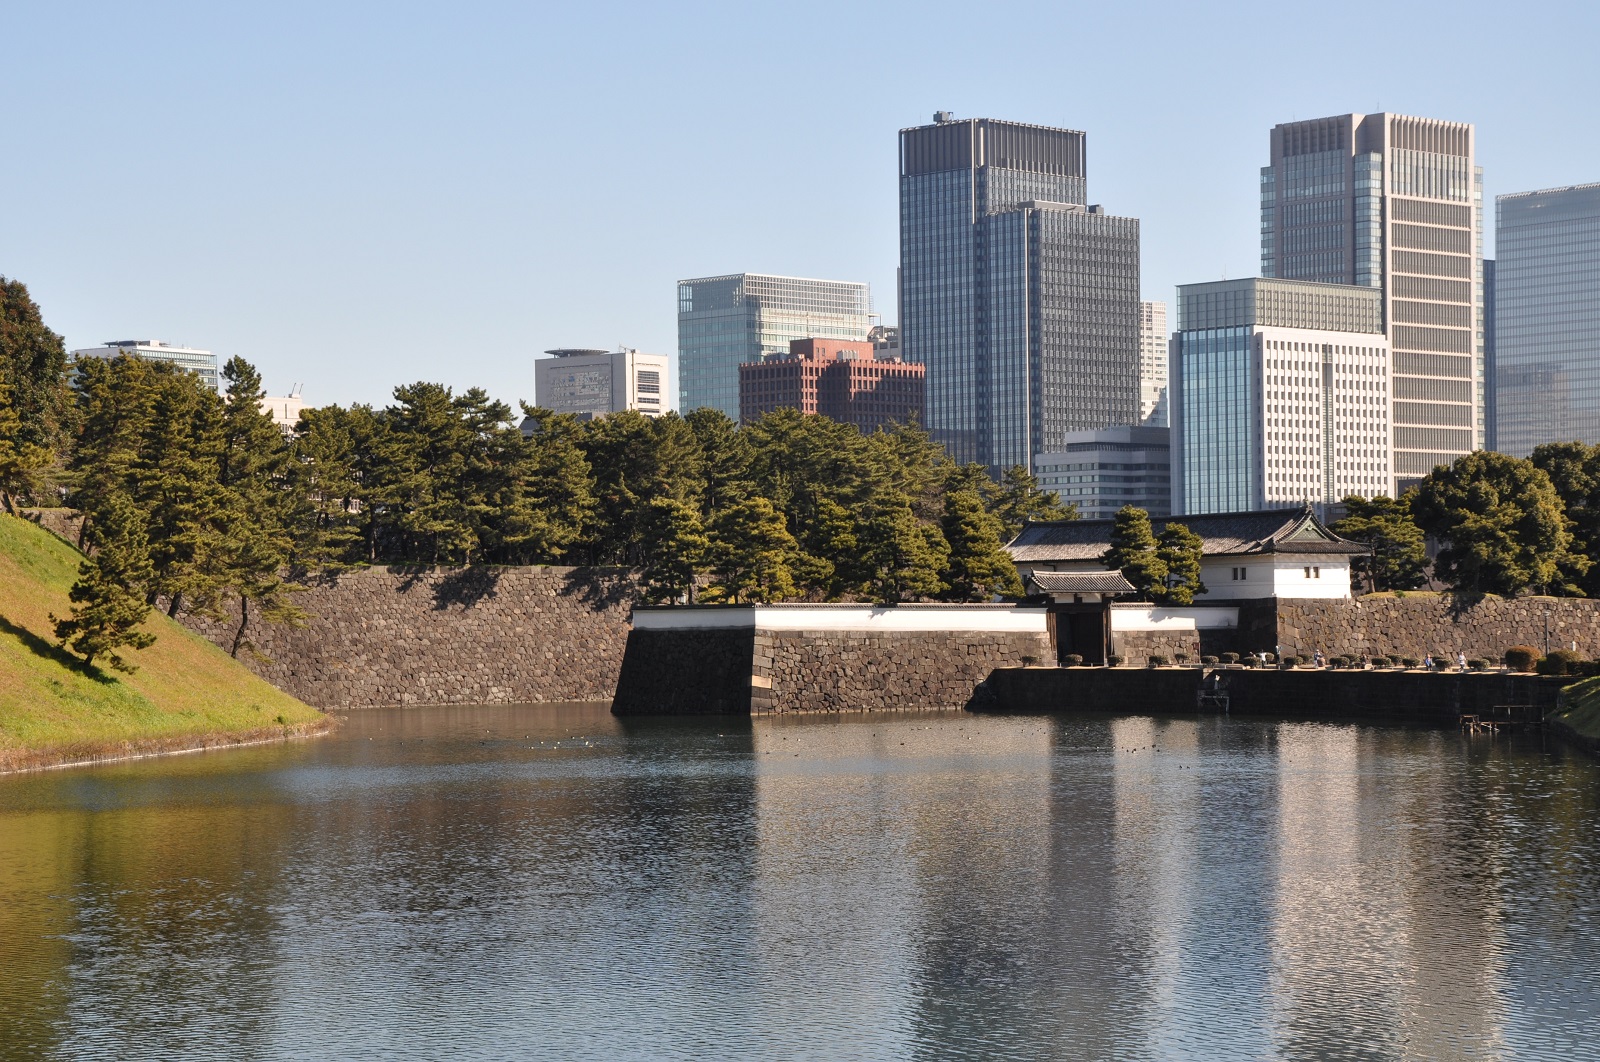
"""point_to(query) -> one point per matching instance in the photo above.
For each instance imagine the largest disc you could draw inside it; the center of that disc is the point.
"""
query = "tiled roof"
(1080, 582)
(1222, 534)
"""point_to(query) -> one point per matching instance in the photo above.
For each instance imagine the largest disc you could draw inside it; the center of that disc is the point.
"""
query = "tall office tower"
(724, 322)
(1547, 317)
(1021, 299)
(202, 363)
(1153, 364)
(592, 383)
(1280, 395)
(1491, 378)
(1394, 203)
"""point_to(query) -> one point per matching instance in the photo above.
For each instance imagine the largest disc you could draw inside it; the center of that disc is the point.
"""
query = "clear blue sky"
(355, 196)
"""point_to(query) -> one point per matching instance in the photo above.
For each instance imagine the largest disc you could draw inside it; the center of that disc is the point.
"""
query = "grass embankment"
(186, 694)
(1580, 712)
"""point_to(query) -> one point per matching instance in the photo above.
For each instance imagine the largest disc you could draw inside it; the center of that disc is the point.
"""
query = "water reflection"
(553, 882)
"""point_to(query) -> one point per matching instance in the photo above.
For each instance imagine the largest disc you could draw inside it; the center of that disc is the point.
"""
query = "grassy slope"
(1581, 708)
(51, 709)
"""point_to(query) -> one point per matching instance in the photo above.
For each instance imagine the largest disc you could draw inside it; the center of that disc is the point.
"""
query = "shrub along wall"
(482, 635)
(1418, 624)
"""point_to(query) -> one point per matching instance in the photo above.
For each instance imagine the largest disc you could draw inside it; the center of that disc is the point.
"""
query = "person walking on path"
(1461, 660)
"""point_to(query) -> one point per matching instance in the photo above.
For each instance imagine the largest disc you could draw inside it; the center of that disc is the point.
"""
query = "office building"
(1153, 364)
(1491, 386)
(1020, 297)
(1280, 395)
(284, 409)
(837, 378)
(592, 383)
(724, 322)
(1393, 203)
(1101, 471)
(1547, 317)
(202, 363)
(885, 340)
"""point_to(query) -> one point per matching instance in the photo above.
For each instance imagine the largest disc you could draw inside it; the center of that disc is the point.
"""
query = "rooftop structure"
(202, 363)
(591, 383)
(1101, 471)
(1246, 555)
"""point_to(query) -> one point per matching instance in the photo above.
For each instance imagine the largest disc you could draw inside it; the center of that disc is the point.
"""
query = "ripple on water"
(553, 882)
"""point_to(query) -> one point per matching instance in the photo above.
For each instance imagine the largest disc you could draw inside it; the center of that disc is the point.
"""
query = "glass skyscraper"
(1279, 395)
(1021, 299)
(1547, 317)
(726, 321)
(1394, 203)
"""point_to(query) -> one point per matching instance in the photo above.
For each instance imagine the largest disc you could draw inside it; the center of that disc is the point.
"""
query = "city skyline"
(263, 219)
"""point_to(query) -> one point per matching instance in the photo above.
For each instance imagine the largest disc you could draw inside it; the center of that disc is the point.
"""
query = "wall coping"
(874, 618)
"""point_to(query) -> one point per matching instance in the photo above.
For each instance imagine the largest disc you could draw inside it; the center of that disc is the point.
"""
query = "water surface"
(550, 882)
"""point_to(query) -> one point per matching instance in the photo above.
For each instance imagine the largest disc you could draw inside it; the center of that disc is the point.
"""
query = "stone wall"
(1441, 697)
(833, 671)
(686, 672)
(414, 636)
(1418, 624)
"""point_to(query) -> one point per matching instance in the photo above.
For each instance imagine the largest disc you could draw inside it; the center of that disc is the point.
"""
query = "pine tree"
(552, 510)
(1500, 520)
(1021, 500)
(903, 556)
(34, 360)
(675, 550)
(978, 566)
(1399, 558)
(1133, 552)
(22, 463)
(751, 550)
(252, 470)
(108, 599)
(1179, 551)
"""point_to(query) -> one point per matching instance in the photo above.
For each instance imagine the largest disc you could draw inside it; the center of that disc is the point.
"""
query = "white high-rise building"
(202, 363)
(1153, 364)
(1280, 396)
(1394, 203)
(592, 383)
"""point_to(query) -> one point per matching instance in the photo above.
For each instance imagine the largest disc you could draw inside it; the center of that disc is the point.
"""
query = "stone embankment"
(821, 658)
(413, 636)
(1399, 696)
(1418, 624)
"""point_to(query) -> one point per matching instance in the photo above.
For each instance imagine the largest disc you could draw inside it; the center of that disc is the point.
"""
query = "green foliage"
(1574, 471)
(752, 552)
(1022, 501)
(675, 550)
(1500, 520)
(903, 557)
(978, 566)
(1560, 662)
(108, 600)
(1398, 559)
(22, 463)
(1133, 552)
(33, 362)
(1179, 550)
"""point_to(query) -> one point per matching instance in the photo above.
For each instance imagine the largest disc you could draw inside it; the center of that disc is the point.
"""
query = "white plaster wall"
(992, 618)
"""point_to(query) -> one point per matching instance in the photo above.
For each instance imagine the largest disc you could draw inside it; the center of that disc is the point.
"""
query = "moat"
(555, 882)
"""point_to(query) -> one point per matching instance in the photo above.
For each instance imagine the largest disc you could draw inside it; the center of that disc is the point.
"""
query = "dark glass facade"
(1022, 301)
(1547, 318)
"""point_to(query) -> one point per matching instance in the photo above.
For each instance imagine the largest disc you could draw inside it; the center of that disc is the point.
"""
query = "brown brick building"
(838, 378)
